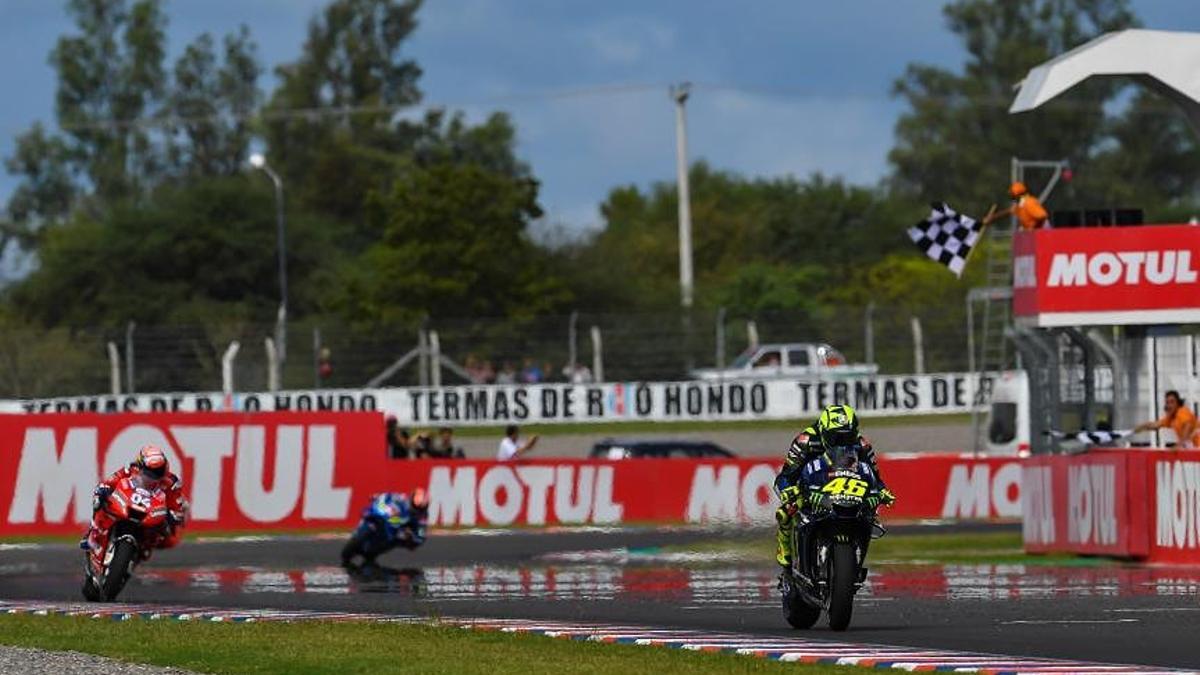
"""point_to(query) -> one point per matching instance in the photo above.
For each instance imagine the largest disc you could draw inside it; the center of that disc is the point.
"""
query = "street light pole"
(680, 94)
(259, 162)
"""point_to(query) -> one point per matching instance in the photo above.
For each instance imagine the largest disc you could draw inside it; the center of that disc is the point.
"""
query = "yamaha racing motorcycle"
(387, 522)
(835, 523)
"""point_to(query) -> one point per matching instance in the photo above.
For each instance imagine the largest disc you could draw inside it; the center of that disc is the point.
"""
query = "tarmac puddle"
(704, 584)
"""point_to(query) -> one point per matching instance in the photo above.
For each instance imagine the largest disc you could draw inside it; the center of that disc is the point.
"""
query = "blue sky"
(784, 86)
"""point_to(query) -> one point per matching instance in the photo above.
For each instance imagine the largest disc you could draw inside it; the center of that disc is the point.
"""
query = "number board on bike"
(844, 486)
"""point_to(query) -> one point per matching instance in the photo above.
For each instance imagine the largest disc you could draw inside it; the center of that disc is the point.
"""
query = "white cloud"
(629, 40)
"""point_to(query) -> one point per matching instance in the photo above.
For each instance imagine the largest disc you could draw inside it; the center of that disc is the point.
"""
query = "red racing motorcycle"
(126, 528)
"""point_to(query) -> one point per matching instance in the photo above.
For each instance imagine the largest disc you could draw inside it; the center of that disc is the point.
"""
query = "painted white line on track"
(1065, 622)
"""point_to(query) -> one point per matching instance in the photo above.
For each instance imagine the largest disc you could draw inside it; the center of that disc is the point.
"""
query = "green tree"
(331, 123)
(211, 105)
(454, 244)
(190, 253)
(956, 140)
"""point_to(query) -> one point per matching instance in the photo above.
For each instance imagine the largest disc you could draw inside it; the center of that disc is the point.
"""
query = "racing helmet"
(151, 461)
(1017, 189)
(838, 426)
(420, 500)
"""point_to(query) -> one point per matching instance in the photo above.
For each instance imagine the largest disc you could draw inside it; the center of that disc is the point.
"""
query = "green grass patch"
(909, 549)
(642, 427)
(362, 647)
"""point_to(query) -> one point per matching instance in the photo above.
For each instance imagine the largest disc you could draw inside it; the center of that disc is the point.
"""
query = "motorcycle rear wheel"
(841, 586)
(119, 570)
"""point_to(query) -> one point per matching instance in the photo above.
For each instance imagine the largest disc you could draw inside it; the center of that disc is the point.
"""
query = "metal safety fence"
(582, 346)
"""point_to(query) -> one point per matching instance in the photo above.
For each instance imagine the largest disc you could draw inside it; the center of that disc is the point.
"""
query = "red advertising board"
(316, 470)
(1141, 504)
(1085, 504)
(1110, 275)
(1173, 487)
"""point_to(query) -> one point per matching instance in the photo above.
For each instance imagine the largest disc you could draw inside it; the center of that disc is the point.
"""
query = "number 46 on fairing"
(846, 486)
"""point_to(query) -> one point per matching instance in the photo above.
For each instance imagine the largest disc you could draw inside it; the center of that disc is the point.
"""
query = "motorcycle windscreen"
(843, 456)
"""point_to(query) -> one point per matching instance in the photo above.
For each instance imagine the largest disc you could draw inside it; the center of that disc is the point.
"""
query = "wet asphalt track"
(1100, 613)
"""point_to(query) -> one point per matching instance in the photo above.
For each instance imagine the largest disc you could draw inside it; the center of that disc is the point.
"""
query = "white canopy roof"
(1167, 61)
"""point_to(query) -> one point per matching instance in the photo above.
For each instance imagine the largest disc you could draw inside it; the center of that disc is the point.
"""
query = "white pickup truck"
(795, 359)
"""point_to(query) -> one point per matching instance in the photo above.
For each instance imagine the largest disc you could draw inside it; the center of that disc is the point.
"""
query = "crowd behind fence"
(580, 346)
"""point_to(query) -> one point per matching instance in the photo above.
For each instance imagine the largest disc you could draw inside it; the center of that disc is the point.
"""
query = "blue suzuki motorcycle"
(389, 521)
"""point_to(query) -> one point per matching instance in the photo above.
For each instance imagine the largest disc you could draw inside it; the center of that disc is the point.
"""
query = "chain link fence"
(659, 346)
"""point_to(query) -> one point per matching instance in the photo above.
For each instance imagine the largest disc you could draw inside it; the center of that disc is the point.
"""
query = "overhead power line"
(268, 114)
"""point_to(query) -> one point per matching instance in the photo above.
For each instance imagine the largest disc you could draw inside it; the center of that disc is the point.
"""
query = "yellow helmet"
(838, 425)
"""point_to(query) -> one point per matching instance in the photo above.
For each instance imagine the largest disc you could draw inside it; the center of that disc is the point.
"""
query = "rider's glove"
(100, 496)
(886, 497)
(791, 494)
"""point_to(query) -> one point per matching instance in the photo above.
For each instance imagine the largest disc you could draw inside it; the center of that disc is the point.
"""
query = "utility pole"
(680, 94)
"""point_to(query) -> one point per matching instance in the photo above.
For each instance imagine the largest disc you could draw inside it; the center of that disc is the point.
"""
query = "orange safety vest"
(1030, 212)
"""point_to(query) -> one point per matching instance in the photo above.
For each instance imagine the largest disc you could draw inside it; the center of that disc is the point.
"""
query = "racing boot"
(783, 538)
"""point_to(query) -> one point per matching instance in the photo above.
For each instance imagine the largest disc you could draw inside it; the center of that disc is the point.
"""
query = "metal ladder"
(991, 351)
(991, 354)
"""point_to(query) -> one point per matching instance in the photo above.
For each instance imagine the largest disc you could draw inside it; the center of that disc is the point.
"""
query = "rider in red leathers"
(151, 467)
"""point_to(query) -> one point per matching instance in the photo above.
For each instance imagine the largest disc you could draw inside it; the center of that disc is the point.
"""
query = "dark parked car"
(633, 448)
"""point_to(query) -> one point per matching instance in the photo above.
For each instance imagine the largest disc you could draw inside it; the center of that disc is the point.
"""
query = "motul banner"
(1128, 503)
(1174, 489)
(1082, 504)
(1101, 276)
(317, 471)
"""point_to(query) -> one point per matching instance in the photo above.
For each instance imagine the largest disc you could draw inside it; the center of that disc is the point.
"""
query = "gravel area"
(23, 660)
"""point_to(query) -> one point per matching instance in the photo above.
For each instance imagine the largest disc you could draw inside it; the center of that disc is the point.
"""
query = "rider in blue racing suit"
(837, 426)
(404, 516)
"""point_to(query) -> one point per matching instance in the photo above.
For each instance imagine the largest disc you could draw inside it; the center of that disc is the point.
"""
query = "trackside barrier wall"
(499, 404)
(1142, 504)
(317, 470)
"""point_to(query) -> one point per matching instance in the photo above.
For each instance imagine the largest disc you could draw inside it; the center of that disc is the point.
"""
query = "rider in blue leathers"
(391, 519)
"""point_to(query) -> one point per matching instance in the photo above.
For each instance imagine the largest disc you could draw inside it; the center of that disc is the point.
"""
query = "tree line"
(136, 204)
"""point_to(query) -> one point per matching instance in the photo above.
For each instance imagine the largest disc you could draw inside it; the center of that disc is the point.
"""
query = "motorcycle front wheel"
(841, 586)
(91, 592)
(119, 569)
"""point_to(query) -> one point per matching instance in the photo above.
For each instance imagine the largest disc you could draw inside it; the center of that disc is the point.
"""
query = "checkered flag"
(947, 236)
(1094, 437)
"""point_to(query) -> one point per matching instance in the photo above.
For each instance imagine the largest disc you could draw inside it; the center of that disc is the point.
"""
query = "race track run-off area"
(648, 587)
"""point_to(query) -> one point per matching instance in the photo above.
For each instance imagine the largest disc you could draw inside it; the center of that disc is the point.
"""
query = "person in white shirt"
(511, 447)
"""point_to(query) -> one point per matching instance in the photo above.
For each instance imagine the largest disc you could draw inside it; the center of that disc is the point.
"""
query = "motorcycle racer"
(152, 471)
(401, 518)
(837, 426)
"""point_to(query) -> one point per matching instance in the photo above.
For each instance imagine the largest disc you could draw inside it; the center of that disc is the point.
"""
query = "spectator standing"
(445, 447)
(399, 445)
(531, 373)
(507, 374)
(1178, 418)
(512, 447)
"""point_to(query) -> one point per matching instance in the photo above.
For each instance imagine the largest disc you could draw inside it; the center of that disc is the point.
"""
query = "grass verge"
(642, 427)
(323, 647)
(910, 549)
